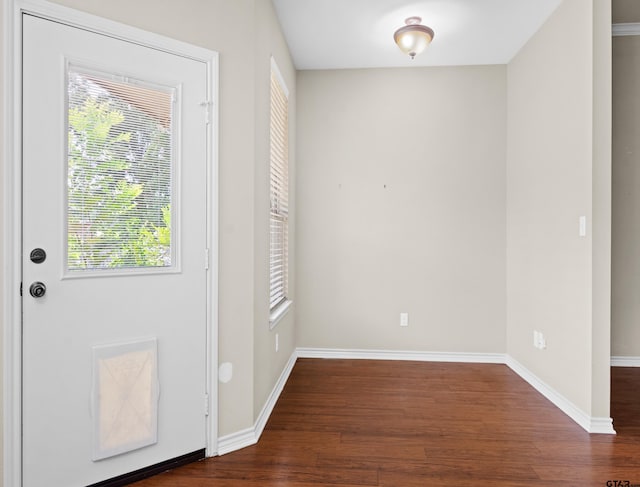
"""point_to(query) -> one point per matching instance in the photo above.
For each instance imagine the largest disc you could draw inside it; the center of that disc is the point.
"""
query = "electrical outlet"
(277, 342)
(542, 344)
(404, 319)
(539, 341)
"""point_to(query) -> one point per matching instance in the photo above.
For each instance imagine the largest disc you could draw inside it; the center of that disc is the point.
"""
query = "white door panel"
(82, 312)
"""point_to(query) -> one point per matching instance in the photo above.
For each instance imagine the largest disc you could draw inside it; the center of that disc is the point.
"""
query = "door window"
(120, 173)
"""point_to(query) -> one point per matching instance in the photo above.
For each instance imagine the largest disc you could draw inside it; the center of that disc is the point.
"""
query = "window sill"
(278, 313)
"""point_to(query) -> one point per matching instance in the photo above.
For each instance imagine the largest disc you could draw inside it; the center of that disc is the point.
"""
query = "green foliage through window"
(119, 174)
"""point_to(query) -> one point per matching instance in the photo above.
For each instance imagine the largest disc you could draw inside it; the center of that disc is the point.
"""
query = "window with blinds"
(279, 191)
(119, 174)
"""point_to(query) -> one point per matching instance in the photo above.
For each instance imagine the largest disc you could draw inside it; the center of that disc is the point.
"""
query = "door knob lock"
(38, 256)
(37, 289)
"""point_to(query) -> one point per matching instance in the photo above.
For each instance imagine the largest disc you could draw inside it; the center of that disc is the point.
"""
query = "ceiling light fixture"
(414, 37)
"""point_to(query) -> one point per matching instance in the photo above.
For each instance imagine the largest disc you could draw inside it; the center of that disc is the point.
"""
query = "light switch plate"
(404, 319)
(583, 226)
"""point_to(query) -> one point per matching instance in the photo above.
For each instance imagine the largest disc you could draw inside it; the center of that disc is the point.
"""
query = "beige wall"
(601, 204)
(268, 363)
(401, 198)
(625, 306)
(2, 262)
(243, 207)
(625, 316)
(553, 152)
(626, 11)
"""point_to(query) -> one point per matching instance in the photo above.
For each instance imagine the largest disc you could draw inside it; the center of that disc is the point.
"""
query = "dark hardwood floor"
(347, 423)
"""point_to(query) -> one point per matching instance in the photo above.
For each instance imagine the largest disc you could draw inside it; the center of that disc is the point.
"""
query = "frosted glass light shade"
(413, 38)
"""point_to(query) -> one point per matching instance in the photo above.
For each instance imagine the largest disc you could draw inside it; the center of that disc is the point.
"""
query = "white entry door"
(114, 272)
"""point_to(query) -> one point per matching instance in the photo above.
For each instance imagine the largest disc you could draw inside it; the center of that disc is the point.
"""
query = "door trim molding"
(12, 207)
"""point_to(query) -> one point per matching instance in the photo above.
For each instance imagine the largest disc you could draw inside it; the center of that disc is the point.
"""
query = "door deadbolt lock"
(38, 256)
(37, 289)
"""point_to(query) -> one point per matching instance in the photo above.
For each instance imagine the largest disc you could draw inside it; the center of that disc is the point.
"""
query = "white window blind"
(279, 181)
(119, 198)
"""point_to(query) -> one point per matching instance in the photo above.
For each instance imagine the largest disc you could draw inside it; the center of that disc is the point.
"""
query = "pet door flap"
(125, 397)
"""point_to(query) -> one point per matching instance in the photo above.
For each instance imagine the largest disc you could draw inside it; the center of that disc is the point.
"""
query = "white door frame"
(12, 202)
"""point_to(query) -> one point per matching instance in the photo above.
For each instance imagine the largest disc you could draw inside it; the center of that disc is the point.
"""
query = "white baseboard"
(625, 361)
(237, 441)
(250, 436)
(589, 423)
(264, 415)
(603, 426)
(625, 29)
(358, 354)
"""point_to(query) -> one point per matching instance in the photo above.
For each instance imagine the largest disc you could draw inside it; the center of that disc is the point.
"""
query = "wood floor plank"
(343, 423)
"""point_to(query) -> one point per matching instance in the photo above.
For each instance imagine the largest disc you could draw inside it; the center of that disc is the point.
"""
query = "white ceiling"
(334, 34)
